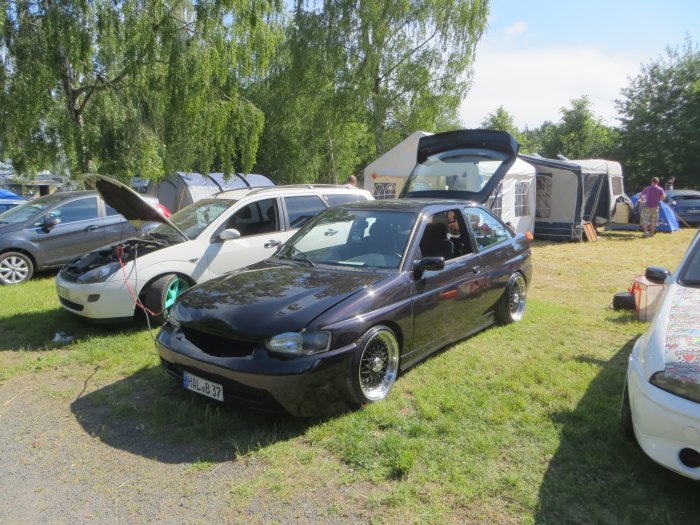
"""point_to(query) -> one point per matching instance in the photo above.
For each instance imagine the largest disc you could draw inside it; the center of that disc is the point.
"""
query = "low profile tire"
(624, 301)
(511, 305)
(375, 366)
(626, 416)
(15, 268)
(161, 294)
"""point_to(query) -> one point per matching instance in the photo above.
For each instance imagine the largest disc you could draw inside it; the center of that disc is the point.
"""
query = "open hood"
(465, 164)
(127, 202)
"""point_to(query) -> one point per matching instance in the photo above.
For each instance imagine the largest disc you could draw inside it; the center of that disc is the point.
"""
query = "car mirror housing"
(229, 234)
(50, 222)
(656, 274)
(428, 264)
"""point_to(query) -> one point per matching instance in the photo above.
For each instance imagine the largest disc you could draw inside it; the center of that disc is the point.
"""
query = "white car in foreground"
(208, 238)
(661, 400)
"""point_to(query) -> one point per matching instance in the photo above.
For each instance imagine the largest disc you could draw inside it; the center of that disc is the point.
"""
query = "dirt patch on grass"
(57, 469)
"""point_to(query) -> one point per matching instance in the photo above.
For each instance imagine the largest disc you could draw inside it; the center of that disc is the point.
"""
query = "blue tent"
(668, 222)
(7, 194)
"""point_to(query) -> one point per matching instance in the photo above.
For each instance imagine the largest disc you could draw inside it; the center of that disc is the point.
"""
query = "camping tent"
(513, 200)
(384, 178)
(559, 194)
(668, 223)
(571, 192)
(602, 186)
(7, 194)
(181, 189)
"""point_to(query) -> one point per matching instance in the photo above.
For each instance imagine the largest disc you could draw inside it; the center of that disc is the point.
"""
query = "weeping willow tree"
(355, 77)
(129, 87)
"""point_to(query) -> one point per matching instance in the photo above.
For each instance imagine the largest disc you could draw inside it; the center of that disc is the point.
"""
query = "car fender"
(11, 242)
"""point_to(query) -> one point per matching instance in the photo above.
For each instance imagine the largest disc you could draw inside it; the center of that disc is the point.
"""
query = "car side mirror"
(229, 234)
(428, 264)
(657, 275)
(50, 222)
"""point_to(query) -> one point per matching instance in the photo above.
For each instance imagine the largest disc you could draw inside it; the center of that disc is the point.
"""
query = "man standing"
(650, 198)
(351, 181)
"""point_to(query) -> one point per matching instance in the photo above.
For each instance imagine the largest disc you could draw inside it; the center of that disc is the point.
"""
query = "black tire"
(511, 305)
(15, 268)
(374, 367)
(624, 301)
(626, 416)
(161, 294)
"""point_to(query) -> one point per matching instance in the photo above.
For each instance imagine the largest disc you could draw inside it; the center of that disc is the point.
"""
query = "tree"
(129, 87)
(580, 134)
(660, 116)
(358, 76)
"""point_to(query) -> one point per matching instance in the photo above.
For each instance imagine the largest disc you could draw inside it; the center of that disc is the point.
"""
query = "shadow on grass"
(629, 235)
(34, 331)
(596, 476)
(149, 414)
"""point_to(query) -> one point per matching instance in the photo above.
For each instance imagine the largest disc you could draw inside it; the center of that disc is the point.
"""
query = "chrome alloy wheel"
(379, 365)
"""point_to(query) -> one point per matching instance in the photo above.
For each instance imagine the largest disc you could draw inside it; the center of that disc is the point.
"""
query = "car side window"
(78, 210)
(486, 228)
(111, 212)
(255, 218)
(301, 209)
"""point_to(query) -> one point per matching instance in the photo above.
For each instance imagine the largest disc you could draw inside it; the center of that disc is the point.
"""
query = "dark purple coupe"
(361, 293)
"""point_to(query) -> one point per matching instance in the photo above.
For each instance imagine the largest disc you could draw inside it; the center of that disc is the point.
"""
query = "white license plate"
(203, 386)
(63, 291)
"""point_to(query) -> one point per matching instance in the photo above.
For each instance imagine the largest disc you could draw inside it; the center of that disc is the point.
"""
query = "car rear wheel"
(511, 305)
(15, 268)
(626, 415)
(161, 294)
(375, 366)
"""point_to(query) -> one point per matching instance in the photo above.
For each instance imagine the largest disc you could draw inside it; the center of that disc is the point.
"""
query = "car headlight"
(300, 343)
(678, 387)
(100, 274)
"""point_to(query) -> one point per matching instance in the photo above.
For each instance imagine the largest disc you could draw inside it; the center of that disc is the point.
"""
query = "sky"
(538, 55)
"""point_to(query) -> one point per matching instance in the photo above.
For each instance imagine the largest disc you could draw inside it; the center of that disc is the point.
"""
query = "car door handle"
(272, 244)
(91, 228)
(476, 269)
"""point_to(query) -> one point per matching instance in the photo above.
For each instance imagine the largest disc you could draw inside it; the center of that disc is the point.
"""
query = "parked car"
(686, 204)
(7, 204)
(206, 239)
(661, 398)
(361, 293)
(47, 231)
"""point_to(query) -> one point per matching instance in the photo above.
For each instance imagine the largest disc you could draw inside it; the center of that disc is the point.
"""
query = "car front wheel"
(375, 366)
(626, 415)
(511, 305)
(161, 294)
(15, 268)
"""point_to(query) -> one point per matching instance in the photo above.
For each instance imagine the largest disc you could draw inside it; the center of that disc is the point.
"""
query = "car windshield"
(352, 238)
(690, 272)
(30, 209)
(456, 170)
(193, 219)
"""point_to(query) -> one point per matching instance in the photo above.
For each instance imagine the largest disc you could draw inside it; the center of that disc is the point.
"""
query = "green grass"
(518, 424)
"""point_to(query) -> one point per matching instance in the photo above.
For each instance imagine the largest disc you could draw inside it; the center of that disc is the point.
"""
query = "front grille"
(71, 304)
(217, 345)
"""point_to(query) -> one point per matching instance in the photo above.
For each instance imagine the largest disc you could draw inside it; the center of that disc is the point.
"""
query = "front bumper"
(664, 424)
(109, 301)
(304, 386)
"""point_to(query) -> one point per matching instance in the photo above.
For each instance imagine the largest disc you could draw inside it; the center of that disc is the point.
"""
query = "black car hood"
(463, 139)
(127, 202)
(267, 299)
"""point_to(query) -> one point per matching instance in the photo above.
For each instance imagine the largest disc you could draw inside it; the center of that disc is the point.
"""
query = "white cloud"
(516, 29)
(534, 84)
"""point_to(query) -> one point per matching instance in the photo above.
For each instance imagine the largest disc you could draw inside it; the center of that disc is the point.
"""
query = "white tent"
(181, 189)
(602, 186)
(513, 200)
(384, 178)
